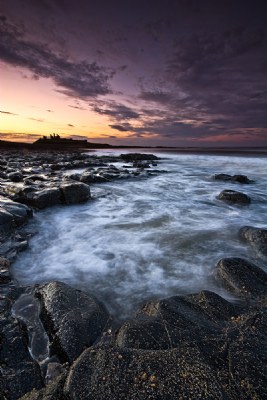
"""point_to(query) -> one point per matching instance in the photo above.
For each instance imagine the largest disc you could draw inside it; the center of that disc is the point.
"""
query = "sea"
(149, 238)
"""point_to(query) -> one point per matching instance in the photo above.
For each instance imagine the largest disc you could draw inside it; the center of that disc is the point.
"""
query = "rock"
(74, 192)
(165, 323)
(53, 391)
(90, 177)
(4, 270)
(19, 373)
(233, 178)
(231, 196)
(15, 176)
(6, 220)
(44, 198)
(242, 278)
(115, 374)
(73, 319)
(132, 157)
(256, 237)
(20, 212)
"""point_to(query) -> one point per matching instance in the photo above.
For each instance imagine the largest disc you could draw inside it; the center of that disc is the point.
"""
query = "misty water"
(148, 238)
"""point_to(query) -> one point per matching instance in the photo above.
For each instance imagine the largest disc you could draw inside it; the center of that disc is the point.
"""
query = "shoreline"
(174, 335)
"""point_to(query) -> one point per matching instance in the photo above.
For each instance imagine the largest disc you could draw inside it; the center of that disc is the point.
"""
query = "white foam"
(147, 238)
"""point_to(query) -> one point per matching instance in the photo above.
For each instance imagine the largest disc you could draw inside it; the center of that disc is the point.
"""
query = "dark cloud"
(7, 113)
(49, 111)
(121, 128)
(21, 136)
(179, 70)
(116, 111)
(78, 107)
(77, 137)
(156, 96)
(72, 126)
(76, 79)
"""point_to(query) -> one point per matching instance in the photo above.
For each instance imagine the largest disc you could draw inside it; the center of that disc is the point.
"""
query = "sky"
(149, 73)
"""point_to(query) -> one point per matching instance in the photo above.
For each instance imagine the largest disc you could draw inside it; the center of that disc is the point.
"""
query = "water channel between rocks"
(148, 238)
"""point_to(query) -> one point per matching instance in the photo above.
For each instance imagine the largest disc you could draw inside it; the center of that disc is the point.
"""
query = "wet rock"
(165, 323)
(242, 278)
(20, 212)
(4, 270)
(53, 391)
(133, 157)
(114, 374)
(74, 192)
(73, 319)
(15, 176)
(19, 373)
(43, 198)
(6, 220)
(90, 177)
(233, 178)
(232, 196)
(256, 237)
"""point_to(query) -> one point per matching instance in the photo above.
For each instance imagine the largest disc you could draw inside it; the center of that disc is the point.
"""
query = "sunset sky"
(172, 73)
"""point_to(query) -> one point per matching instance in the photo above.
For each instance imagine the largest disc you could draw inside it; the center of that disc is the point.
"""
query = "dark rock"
(233, 178)
(19, 373)
(115, 374)
(90, 177)
(43, 198)
(132, 157)
(74, 192)
(73, 319)
(231, 196)
(165, 323)
(256, 237)
(20, 212)
(242, 278)
(4, 270)
(73, 177)
(15, 176)
(53, 391)
(6, 220)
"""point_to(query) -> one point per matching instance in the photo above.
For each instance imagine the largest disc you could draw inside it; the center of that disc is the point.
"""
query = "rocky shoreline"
(189, 347)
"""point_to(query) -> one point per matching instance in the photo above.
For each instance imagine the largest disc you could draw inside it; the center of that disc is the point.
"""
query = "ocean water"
(142, 239)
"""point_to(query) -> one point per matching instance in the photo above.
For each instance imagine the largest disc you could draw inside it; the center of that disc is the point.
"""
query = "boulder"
(19, 373)
(15, 176)
(132, 157)
(256, 237)
(74, 192)
(20, 212)
(120, 373)
(4, 270)
(232, 196)
(73, 319)
(44, 198)
(242, 278)
(163, 324)
(6, 220)
(233, 178)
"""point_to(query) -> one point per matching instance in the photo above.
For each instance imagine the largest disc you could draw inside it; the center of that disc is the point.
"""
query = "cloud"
(75, 79)
(19, 136)
(49, 111)
(116, 111)
(156, 96)
(72, 126)
(121, 128)
(78, 107)
(36, 119)
(7, 113)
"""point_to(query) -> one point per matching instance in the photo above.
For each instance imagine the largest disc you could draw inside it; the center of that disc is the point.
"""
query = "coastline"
(175, 335)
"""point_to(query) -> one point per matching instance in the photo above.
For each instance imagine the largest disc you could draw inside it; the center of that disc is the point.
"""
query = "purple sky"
(184, 72)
